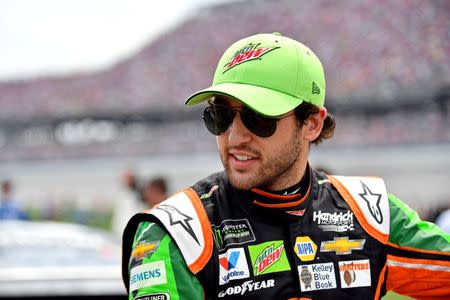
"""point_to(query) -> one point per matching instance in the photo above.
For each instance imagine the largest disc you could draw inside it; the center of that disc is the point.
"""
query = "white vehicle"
(51, 260)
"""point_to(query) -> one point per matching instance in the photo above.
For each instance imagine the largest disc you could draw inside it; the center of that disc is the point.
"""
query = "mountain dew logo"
(248, 52)
(268, 257)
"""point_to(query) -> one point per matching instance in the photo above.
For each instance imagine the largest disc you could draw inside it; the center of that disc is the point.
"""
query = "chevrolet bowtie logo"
(141, 249)
(342, 245)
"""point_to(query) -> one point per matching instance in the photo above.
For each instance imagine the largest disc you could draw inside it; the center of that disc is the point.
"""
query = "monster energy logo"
(232, 232)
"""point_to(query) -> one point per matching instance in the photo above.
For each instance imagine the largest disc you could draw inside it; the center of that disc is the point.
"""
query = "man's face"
(251, 161)
(153, 195)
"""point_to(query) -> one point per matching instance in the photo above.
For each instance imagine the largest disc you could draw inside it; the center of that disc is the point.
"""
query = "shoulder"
(205, 187)
(368, 199)
(184, 218)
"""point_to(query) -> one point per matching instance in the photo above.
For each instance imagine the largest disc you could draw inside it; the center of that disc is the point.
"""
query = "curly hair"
(305, 110)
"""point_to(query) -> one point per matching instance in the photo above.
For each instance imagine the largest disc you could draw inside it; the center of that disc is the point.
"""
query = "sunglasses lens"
(217, 119)
(259, 125)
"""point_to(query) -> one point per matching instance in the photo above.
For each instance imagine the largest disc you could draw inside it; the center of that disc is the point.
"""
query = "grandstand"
(387, 65)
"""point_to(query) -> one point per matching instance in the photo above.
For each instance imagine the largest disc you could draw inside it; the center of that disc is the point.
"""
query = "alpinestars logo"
(176, 217)
(373, 203)
(247, 53)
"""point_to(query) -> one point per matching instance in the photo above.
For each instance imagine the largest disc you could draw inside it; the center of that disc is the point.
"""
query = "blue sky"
(63, 36)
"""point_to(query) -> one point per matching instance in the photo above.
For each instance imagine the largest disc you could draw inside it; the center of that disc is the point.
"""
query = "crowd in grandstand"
(372, 50)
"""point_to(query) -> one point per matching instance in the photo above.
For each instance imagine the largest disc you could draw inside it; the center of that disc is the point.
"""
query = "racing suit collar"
(294, 203)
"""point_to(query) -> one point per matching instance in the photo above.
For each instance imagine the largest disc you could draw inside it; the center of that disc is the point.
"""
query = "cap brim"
(262, 100)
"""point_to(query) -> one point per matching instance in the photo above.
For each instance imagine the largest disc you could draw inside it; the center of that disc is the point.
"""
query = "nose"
(237, 133)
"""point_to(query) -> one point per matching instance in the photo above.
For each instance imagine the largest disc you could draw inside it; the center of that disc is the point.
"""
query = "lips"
(242, 157)
(241, 160)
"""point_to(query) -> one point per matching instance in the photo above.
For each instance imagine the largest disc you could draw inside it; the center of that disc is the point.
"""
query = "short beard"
(276, 172)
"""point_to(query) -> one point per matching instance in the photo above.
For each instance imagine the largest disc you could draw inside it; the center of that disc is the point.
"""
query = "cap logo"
(315, 88)
(248, 52)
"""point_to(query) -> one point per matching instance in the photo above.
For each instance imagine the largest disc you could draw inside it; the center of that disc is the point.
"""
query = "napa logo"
(148, 274)
(305, 248)
(233, 265)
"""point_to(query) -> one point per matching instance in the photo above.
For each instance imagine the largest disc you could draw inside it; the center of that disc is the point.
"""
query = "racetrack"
(418, 175)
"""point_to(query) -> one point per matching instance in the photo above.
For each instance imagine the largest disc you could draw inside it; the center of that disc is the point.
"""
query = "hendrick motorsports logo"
(248, 286)
(339, 222)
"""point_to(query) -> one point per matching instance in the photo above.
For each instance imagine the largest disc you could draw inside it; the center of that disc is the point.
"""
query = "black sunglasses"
(218, 119)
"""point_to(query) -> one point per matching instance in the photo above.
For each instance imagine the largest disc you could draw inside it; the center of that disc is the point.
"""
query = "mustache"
(244, 149)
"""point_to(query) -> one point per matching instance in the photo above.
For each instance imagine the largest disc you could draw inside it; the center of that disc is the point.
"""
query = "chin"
(241, 182)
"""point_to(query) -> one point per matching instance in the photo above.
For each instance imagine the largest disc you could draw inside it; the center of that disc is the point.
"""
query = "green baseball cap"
(269, 73)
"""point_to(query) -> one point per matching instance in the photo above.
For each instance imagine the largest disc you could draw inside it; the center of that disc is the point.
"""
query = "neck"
(293, 175)
(300, 187)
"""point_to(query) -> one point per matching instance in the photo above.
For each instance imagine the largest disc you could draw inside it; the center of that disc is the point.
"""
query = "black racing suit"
(345, 238)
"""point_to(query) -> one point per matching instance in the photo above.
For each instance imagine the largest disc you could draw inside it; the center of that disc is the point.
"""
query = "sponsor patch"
(142, 249)
(268, 257)
(209, 194)
(315, 88)
(373, 202)
(371, 197)
(342, 245)
(297, 213)
(148, 274)
(233, 265)
(355, 273)
(247, 287)
(232, 232)
(248, 52)
(158, 296)
(176, 217)
(317, 277)
(339, 222)
(305, 248)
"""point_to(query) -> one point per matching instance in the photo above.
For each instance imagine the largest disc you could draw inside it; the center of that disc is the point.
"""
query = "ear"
(313, 125)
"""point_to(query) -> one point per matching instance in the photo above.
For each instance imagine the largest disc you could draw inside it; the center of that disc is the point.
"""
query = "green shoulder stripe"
(154, 248)
(408, 230)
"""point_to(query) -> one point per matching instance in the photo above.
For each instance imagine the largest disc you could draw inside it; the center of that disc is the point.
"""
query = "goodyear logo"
(305, 248)
(342, 245)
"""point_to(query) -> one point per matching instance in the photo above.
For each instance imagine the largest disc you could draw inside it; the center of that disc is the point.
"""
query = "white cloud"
(54, 36)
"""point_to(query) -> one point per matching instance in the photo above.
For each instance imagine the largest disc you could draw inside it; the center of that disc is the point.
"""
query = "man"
(150, 193)
(138, 195)
(270, 226)
(9, 209)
